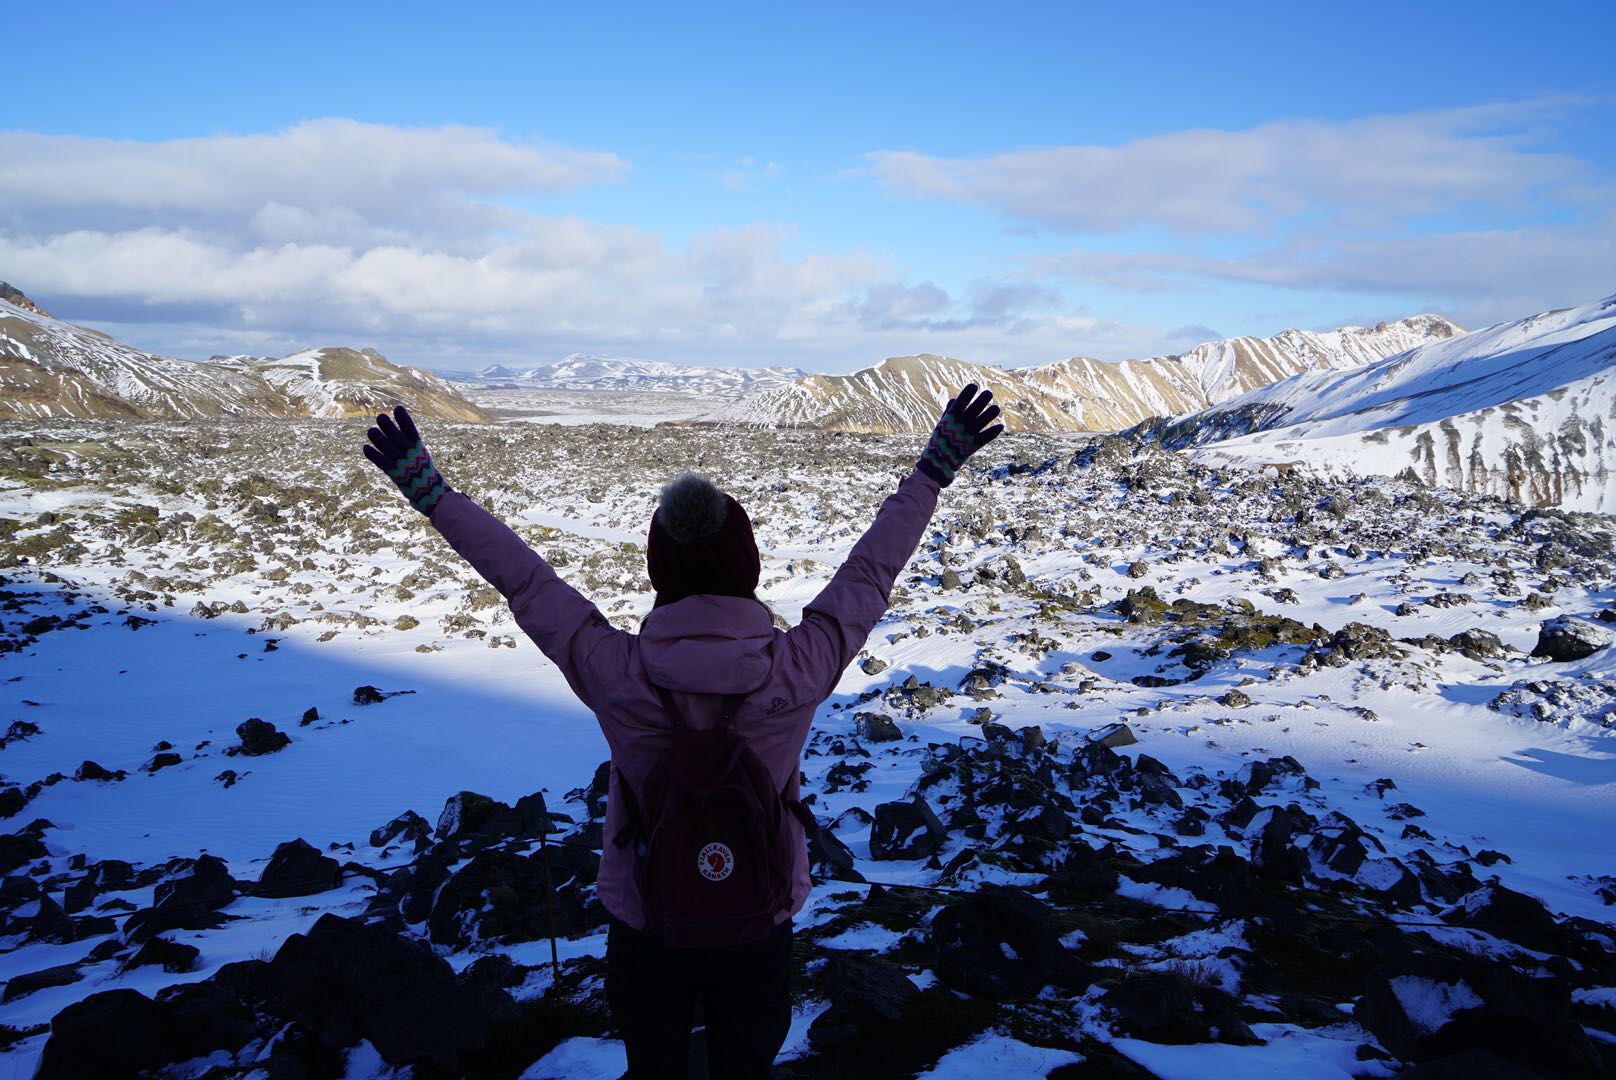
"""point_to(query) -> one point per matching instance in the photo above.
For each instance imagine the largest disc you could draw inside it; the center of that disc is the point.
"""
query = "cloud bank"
(427, 239)
(452, 245)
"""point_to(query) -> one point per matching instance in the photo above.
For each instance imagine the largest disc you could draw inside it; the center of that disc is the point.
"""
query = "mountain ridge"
(52, 368)
(902, 394)
(1522, 409)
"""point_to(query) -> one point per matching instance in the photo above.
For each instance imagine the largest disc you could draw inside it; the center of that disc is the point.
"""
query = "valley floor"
(1332, 680)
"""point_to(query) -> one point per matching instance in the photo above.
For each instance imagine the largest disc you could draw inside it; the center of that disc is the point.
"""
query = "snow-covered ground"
(166, 582)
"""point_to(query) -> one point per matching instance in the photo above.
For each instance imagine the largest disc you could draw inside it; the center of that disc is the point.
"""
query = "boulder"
(258, 737)
(172, 956)
(51, 923)
(111, 1034)
(22, 985)
(468, 815)
(1000, 943)
(18, 889)
(1478, 644)
(188, 898)
(1425, 1007)
(500, 897)
(1219, 877)
(1566, 638)
(1112, 736)
(870, 1001)
(1274, 853)
(89, 770)
(408, 826)
(1513, 916)
(876, 727)
(298, 869)
(1157, 1006)
(829, 858)
(906, 830)
(345, 980)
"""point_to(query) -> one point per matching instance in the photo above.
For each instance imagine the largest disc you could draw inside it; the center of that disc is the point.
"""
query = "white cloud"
(1477, 277)
(1213, 181)
(426, 241)
(322, 178)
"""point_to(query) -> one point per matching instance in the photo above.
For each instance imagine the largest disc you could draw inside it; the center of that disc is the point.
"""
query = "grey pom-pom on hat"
(692, 508)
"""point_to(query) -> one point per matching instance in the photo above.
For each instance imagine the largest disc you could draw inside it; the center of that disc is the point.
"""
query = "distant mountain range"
(1525, 409)
(587, 371)
(903, 394)
(50, 368)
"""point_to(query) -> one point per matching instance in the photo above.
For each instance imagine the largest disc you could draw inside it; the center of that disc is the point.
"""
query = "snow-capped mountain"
(588, 371)
(1522, 409)
(332, 383)
(1080, 394)
(51, 368)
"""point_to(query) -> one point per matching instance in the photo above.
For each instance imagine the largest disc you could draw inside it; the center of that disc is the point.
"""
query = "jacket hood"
(709, 645)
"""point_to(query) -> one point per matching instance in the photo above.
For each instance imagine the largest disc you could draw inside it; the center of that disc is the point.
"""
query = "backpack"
(712, 853)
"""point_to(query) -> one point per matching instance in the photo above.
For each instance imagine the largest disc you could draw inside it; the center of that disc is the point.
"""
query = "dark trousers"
(744, 992)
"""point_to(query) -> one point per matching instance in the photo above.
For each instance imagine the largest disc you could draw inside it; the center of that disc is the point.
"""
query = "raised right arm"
(567, 628)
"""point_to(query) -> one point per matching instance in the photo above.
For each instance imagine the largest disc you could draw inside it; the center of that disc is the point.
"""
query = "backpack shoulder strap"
(631, 805)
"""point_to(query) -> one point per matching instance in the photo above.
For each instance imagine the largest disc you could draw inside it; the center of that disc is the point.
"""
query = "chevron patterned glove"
(959, 434)
(397, 450)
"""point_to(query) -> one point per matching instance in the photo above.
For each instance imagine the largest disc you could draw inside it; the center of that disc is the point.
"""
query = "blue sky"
(820, 186)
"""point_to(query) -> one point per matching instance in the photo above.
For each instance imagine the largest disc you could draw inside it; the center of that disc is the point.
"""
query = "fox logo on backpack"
(712, 854)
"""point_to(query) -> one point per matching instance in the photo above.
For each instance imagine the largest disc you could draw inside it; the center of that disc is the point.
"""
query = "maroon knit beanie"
(700, 542)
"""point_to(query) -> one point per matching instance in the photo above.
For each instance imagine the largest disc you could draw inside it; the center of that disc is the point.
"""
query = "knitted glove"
(959, 434)
(397, 450)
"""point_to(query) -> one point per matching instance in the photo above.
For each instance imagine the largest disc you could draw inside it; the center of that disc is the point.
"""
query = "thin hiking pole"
(549, 899)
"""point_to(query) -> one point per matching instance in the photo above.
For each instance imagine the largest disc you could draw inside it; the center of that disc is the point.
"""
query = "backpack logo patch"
(716, 862)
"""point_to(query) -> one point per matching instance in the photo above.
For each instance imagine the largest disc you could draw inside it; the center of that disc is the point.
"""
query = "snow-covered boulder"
(1568, 638)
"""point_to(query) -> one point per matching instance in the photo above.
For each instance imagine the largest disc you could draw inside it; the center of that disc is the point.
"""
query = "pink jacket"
(702, 648)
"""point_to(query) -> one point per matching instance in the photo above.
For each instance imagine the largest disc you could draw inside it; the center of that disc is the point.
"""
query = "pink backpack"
(712, 854)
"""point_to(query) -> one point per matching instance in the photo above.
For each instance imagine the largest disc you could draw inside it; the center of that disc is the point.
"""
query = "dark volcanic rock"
(1512, 916)
(1274, 852)
(1219, 877)
(89, 770)
(1158, 1006)
(828, 857)
(258, 737)
(171, 956)
(1478, 644)
(468, 815)
(1567, 638)
(19, 848)
(51, 923)
(22, 985)
(107, 1035)
(502, 897)
(298, 869)
(1426, 1007)
(407, 826)
(876, 727)
(869, 997)
(906, 830)
(187, 899)
(347, 981)
(999, 943)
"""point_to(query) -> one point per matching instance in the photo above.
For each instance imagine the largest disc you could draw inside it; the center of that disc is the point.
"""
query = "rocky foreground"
(1151, 765)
